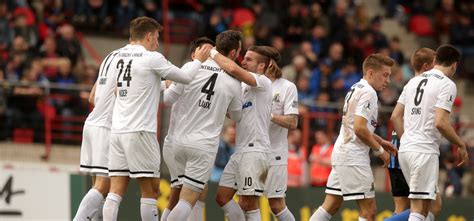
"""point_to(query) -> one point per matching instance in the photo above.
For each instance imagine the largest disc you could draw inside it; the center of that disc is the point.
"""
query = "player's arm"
(235, 115)
(184, 75)
(445, 128)
(387, 145)
(92, 95)
(364, 134)
(397, 119)
(232, 68)
(287, 121)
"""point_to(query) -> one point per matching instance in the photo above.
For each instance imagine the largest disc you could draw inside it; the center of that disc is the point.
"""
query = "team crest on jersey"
(373, 123)
(276, 97)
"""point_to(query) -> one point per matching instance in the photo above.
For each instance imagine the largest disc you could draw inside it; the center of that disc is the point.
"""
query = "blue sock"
(403, 216)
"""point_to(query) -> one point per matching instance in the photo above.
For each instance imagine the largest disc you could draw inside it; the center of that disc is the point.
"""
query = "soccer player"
(134, 151)
(426, 102)
(246, 171)
(422, 60)
(95, 140)
(351, 176)
(204, 104)
(172, 96)
(284, 116)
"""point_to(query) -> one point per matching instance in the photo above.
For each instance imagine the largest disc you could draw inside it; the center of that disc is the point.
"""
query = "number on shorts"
(248, 181)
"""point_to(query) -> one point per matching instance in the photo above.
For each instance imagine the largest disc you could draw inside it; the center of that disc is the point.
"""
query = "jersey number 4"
(208, 87)
(420, 91)
(126, 75)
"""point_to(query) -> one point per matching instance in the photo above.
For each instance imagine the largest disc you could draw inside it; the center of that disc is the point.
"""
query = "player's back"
(349, 149)
(104, 97)
(421, 96)
(206, 100)
(138, 89)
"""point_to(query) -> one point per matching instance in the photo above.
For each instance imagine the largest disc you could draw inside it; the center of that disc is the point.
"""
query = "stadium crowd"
(322, 43)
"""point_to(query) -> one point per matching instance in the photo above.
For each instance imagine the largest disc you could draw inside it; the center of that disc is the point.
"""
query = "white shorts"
(95, 150)
(168, 157)
(135, 154)
(276, 183)
(351, 182)
(421, 172)
(193, 166)
(246, 172)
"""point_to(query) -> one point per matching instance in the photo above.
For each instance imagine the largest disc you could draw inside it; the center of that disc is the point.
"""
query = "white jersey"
(361, 101)
(104, 99)
(138, 88)
(284, 102)
(421, 96)
(252, 130)
(175, 111)
(204, 104)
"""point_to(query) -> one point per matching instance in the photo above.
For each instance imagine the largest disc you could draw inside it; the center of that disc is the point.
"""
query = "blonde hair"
(376, 62)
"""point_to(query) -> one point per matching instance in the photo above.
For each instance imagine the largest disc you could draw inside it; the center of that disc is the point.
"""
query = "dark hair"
(376, 61)
(227, 41)
(447, 54)
(141, 26)
(196, 43)
(420, 57)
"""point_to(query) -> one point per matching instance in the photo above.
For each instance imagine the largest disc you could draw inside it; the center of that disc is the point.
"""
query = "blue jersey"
(394, 164)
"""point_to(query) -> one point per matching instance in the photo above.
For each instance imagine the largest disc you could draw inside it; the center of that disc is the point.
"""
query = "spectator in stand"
(65, 75)
(279, 44)
(453, 186)
(4, 118)
(320, 159)
(225, 150)
(125, 11)
(320, 79)
(336, 54)
(444, 18)
(306, 49)
(296, 69)
(293, 24)
(396, 51)
(315, 18)
(296, 159)
(6, 34)
(265, 17)
(68, 45)
(305, 96)
(337, 19)
(318, 40)
(380, 40)
(28, 32)
(216, 24)
(150, 8)
(23, 103)
(92, 13)
(50, 57)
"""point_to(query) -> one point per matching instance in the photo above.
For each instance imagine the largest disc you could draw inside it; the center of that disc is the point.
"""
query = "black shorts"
(399, 184)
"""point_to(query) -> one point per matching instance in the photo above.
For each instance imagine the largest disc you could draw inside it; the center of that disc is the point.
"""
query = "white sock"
(320, 215)
(98, 216)
(233, 211)
(148, 209)
(165, 214)
(430, 217)
(285, 215)
(196, 214)
(253, 215)
(416, 217)
(181, 211)
(111, 206)
(89, 205)
(362, 219)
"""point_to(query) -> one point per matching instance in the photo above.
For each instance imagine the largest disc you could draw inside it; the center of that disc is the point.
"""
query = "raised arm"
(186, 75)
(232, 68)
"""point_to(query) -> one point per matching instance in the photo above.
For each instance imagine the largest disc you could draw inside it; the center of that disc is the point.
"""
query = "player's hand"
(168, 83)
(388, 146)
(463, 155)
(385, 157)
(202, 53)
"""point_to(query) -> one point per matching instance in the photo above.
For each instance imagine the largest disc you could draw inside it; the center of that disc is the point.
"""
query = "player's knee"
(435, 207)
(369, 212)
(221, 199)
(248, 204)
(103, 186)
(276, 206)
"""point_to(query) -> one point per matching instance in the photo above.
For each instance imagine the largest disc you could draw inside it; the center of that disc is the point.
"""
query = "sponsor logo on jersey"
(276, 97)
(294, 104)
(373, 123)
(247, 105)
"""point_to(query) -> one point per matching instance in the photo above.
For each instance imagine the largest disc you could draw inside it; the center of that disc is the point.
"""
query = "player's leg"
(400, 192)
(357, 183)
(143, 155)
(118, 187)
(275, 190)
(175, 182)
(227, 188)
(197, 213)
(332, 201)
(251, 182)
(435, 208)
(198, 164)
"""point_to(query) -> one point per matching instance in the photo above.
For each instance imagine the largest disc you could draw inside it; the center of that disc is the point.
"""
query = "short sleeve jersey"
(421, 96)
(139, 74)
(205, 102)
(253, 128)
(104, 97)
(361, 101)
(284, 102)
(175, 111)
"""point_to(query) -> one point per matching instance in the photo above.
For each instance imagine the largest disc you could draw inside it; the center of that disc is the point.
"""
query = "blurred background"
(50, 51)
